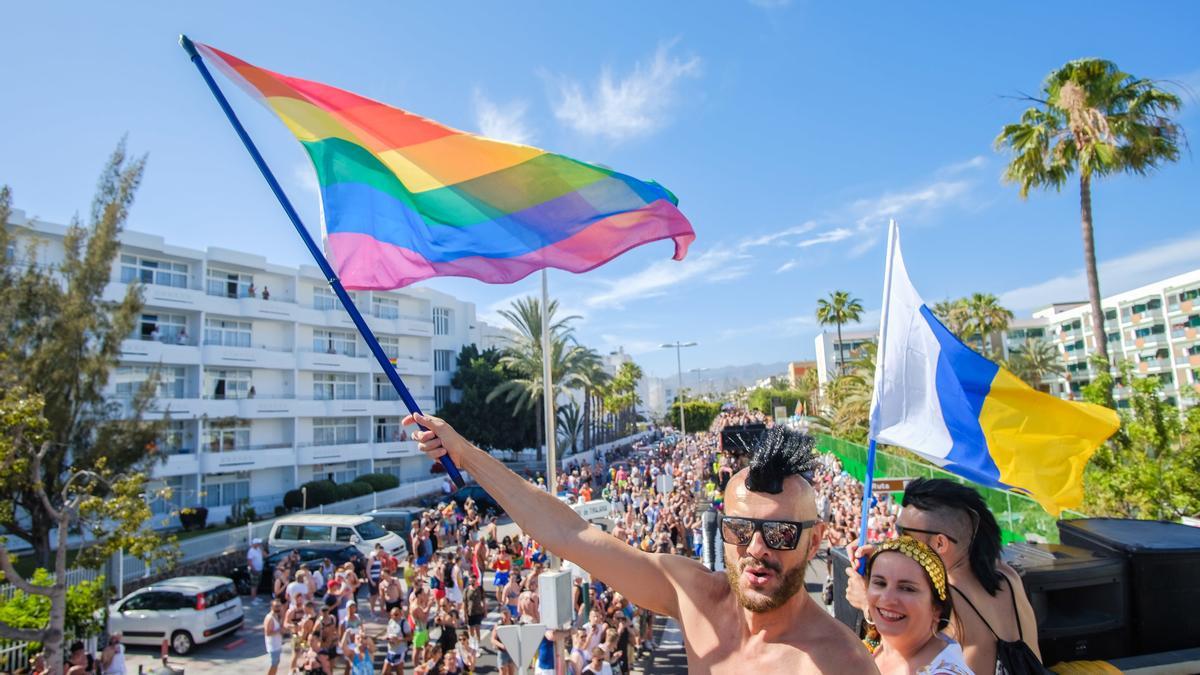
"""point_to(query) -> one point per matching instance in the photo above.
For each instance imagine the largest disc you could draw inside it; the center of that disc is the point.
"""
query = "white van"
(361, 531)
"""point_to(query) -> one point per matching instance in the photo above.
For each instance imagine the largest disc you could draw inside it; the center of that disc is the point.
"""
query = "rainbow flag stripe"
(405, 198)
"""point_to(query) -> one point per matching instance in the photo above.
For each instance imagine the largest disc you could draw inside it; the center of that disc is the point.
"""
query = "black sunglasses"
(781, 535)
(902, 530)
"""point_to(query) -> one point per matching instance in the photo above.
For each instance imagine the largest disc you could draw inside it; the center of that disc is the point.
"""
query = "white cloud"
(976, 162)
(871, 215)
(504, 122)
(776, 328)
(773, 237)
(716, 264)
(828, 237)
(625, 107)
(306, 178)
(789, 265)
(1116, 275)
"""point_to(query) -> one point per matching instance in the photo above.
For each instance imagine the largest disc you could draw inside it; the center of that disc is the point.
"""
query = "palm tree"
(840, 308)
(592, 378)
(955, 316)
(523, 354)
(1097, 120)
(1034, 361)
(987, 316)
(570, 426)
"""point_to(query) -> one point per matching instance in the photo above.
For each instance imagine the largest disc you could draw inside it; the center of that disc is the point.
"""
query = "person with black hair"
(993, 619)
(755, 616)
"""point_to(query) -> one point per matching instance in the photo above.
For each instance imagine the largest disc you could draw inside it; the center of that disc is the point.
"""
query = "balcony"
(395, 449)
(181, 463)
(362, 404)
(1185, 333)
(327, 453)
(157, 351)
(311, 360)
(248, 458)
(1182, 307)
(1153, 365)
(275, 308)
(411, 365)
(253, 356)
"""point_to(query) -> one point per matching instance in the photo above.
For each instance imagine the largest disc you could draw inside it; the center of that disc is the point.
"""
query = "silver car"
(187, 611)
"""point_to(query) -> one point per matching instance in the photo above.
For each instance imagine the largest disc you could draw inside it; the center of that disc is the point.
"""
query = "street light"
(677, 346)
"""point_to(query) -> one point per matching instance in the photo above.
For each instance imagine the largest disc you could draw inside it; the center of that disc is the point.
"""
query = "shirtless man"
(391, 591)
(953, 520)
(754, 618)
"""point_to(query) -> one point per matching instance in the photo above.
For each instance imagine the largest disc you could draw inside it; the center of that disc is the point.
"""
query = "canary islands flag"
(405, 198)
(940, 399)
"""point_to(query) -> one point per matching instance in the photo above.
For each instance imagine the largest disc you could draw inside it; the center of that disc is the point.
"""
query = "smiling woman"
(909, 604)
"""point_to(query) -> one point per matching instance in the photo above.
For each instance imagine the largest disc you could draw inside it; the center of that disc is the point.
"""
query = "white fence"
(74, 576)
(205, 546)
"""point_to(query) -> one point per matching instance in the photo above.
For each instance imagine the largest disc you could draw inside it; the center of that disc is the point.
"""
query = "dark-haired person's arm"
(648, 580)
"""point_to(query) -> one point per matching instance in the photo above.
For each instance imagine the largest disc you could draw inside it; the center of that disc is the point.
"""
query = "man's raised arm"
(647, 580)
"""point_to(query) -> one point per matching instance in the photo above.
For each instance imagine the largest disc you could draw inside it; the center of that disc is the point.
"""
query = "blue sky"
(790, 131)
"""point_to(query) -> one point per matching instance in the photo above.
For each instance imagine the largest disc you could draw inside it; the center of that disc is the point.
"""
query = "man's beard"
(790, 584)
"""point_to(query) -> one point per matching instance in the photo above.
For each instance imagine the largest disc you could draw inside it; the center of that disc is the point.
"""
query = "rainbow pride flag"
(405, 198)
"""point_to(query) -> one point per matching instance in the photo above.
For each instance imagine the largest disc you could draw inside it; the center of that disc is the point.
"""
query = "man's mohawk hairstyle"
(779, 453)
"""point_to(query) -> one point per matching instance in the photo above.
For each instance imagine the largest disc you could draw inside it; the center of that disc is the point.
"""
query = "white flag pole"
(893, 242)
(548, 401)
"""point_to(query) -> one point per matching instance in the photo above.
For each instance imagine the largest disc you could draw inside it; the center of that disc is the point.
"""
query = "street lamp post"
(678, 346)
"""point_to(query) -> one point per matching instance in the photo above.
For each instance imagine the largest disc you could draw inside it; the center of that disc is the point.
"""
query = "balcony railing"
(269, 348)
(335, 352)
(239, 448)
(334, 443)
(181, 340)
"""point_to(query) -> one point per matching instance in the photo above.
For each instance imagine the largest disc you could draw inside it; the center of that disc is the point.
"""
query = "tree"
(477, 415)
(1034, 361)
(764, 399)
(955, 316)
(1151, 467)
(987, 317)
(1096, 120)
(523, 355)
(108, 510)
(621, 395)
(848, 397)
(700, 414)
(570, 426)
(62, 338)
(840, 308)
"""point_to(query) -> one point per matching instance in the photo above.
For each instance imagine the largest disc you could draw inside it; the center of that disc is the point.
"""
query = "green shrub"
(379, 481)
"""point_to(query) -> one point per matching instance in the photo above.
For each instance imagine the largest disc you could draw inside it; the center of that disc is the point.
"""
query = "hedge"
(321, 492)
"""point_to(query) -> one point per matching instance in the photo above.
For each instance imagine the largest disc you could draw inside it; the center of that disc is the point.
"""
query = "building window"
(1156, 329)
(175, 439)
(168, 328)
(385, 308)
(227, 383)
(226, 438)
(335, 342)
(441, 396)
(172, 381)
(390, 345)
(1190, 294)
(151, 271)
(226, 489)
(442, 359)
(384, 391)
(1110, 314)
(323, 298)
(388, 430)
(1074, 346)
(227, 332)
(390, 467)
(161, 504)
(441, 320)
(334, 430)
(1035, 332)
(338, 473)
(225, 284)
(334, 387)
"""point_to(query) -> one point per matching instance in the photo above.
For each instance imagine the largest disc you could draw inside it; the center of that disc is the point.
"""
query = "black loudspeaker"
(1079, 598)
(738, 440)
(1163, 584)
(842, 611)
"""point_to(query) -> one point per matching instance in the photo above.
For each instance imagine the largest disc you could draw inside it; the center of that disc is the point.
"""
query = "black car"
(484, 502)
(311, 556)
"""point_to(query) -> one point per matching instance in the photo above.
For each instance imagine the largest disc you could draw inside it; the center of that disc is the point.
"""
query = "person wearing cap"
(254, 561)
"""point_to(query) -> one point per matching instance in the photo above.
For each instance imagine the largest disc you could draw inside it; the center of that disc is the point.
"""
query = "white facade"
(1155, 327)
(262, 374)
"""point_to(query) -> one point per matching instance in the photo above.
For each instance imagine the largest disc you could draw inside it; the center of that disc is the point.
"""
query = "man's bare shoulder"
(837, 650)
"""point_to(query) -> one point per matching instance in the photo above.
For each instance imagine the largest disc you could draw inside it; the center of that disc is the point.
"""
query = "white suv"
(185, 610)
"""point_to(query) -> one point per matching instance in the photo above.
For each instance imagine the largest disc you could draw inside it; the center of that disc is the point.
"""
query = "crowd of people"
(460, 569)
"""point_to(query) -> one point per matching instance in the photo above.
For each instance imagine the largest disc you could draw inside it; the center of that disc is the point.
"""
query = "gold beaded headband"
(926, 557)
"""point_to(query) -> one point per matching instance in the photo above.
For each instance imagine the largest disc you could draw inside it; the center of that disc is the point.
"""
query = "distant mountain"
(726, 378)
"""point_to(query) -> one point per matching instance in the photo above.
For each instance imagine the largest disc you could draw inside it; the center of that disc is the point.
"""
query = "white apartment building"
(262, 375)
(1155, 327)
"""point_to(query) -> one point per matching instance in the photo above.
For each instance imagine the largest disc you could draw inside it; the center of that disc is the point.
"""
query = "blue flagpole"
(868, 482)
(334, 283)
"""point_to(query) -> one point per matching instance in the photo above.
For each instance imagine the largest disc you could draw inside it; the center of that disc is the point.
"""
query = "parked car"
(484, 502)
(398, 519)
(362, 531)
(187, 611)
(311, 556)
